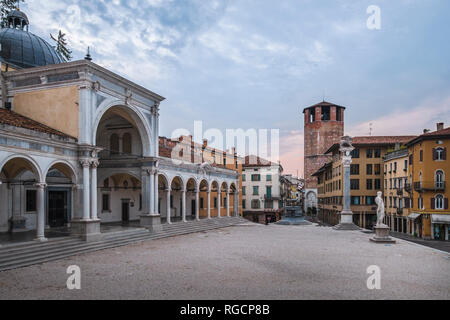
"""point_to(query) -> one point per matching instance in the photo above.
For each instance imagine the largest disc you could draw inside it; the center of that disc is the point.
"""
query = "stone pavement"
(243, 262)
(439, 245)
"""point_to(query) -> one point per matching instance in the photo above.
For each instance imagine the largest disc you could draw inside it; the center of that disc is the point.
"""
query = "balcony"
(429, 186)
(408, 187)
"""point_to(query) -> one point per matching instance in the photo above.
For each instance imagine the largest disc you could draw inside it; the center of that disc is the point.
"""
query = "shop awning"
(440, 218)
(414, 216)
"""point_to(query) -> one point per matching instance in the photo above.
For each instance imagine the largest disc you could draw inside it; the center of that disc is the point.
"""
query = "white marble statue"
(380, 211)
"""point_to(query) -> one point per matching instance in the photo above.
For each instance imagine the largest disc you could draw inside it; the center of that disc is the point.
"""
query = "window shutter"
(433, 203)
(434, 154)
(446, 204)
(444, 154)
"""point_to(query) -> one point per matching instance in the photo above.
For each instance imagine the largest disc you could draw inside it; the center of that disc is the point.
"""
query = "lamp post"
(346, 222)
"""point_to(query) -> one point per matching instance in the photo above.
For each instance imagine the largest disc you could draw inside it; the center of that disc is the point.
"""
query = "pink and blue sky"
(258, 63)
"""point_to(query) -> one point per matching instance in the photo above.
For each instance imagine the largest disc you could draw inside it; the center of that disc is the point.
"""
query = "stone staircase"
(31, 253)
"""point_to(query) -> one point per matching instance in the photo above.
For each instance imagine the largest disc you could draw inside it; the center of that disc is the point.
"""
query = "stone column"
(209, 204)
(346, 214)
(86, 190)
(228, 204)
(197, 205)
(169, 210)
(156, 211)
(94, 209)
(219, 195)
(183, 204)
(151, 219)
(152, 193)
(40, 227)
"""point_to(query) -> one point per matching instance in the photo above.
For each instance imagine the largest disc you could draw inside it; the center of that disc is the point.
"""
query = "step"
(123, 239)
(37, 245)
(80, 244)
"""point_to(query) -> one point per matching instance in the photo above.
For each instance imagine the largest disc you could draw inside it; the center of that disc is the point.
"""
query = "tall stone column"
(94, 209)
(169, 210)
(346, 214)
(219, 196)
(156, 211)
(228, 204)
(183, 204)
(40, 227)
(152, 193)
(86, 190)
(151, 219)
(209, 204)
(197, 205)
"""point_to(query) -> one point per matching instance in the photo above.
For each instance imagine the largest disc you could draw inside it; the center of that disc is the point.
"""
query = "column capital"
(95, 163)
(41, 185)
(151, 172)
(347, 160)
(85, 163)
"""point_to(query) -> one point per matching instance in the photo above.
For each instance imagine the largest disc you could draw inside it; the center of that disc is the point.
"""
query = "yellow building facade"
(396, 197)
(366, 179)
(429, 169)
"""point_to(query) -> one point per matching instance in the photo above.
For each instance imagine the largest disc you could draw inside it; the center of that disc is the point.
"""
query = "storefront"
(415, 221)
(440, 224)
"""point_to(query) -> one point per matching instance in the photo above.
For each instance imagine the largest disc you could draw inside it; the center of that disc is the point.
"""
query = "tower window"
(326, 114)
(312, 115)
(339, 114)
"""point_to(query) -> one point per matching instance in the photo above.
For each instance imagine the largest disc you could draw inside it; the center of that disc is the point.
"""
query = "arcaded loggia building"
(79, 147)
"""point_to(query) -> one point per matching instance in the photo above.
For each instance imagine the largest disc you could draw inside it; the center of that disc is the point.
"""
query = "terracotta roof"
(444, 133)
(323, 104)
(255, 161)
(11, 118)
(322, 169)
(375, 140)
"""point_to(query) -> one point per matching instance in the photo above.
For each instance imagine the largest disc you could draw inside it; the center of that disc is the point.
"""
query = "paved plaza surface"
(243, 262)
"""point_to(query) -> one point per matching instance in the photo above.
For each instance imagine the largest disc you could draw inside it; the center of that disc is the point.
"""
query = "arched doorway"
(164, 198)
(191, 199)
(204, 199)
(178, 199)
(224, 194)
(215, 193)
(120, 199)
(23, 189)
(60, 179)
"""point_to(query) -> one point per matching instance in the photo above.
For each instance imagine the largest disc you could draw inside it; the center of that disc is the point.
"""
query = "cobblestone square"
(243, 262)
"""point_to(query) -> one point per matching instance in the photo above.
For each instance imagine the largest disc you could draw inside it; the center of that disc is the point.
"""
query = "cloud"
(399, 122)
(291, 153)
(407, 121)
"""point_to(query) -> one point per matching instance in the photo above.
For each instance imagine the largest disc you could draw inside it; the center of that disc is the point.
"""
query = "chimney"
(205, 143)
(440, 126)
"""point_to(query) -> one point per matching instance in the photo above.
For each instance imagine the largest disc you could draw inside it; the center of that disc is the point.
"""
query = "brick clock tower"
(324, 126)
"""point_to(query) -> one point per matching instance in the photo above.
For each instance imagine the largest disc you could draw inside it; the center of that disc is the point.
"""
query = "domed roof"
(22, 49)
(26, 50)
